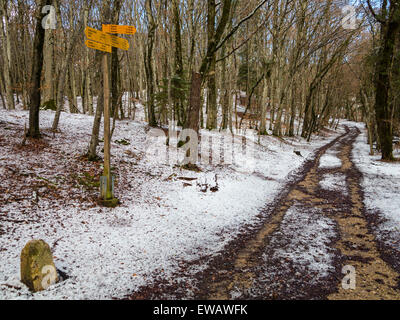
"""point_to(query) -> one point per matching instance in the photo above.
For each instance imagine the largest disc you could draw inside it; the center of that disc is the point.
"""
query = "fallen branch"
(17, 221)
(56, 242)
(11, 286)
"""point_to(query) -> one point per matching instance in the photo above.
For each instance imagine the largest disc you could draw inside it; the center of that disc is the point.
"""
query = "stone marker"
(38, 271)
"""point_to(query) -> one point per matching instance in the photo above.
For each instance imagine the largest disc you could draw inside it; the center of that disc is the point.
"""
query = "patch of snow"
(162, 220)
(330, 161)
(308, 245)
(299, 257)
(381, 185)
(334, 182)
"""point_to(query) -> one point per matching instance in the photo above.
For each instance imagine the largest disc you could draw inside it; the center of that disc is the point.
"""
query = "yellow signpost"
(103, 41)
(98, 46)
(116, 29)
(106, 38)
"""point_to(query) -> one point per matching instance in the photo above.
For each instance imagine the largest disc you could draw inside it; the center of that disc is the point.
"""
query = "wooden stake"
(107, 145)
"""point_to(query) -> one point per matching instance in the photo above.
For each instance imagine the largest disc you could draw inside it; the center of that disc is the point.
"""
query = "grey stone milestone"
(38, 271)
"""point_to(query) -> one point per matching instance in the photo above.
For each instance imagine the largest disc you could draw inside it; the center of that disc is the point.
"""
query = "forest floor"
(282, 227)
(318, 225)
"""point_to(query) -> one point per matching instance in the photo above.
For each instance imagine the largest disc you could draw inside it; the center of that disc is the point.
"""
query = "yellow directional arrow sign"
(98, 46)
(106, 39)
(116, 29)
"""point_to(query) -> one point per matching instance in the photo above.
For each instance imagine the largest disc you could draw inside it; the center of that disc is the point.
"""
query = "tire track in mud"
(375, 278)
(247, 268)
(355, 244)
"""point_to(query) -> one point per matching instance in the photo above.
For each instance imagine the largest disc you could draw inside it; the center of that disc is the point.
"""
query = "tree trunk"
(292, 111)
(383, 66)
(88, 85)
(179, 72)
(94, 140)
(37, 65)
(148, 61)
(115, 68)
(48, 89)
(194, 103)
(63, 71)
(264, 105)
(72, 97)
(225, 89)
(5, 40)
(212, 89)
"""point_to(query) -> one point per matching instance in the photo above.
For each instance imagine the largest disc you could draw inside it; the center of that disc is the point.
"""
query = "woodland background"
(264, 64)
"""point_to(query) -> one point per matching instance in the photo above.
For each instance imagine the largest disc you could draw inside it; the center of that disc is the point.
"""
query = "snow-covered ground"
(334, 182)
(381, 184)
(299, 257)
(308, 248)
(330, 160)
(168, 215)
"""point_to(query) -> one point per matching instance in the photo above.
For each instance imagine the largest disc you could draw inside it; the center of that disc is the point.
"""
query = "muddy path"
(301, 248)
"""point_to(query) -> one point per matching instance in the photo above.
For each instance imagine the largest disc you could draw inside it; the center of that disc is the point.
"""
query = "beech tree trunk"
(5, 40)
(37, 66)
(390, 30)
(194, 103)
(115, 68)
(148, 61)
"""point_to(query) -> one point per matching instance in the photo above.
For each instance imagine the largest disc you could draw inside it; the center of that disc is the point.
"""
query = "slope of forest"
(166, 218)
(232, 160)
(381, 184)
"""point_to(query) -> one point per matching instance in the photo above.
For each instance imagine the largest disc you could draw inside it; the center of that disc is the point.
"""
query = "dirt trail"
(376, 279)
(250, 269)
(355, 245)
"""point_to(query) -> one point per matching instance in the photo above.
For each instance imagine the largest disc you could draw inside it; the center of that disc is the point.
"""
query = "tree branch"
(233, 31)
(377, 18)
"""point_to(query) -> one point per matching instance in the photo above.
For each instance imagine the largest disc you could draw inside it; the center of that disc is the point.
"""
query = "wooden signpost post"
(104, 41)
